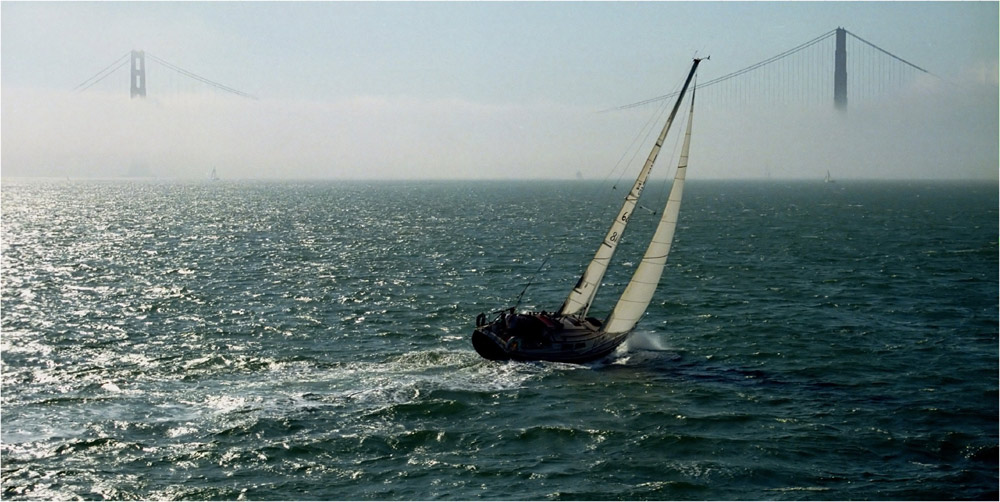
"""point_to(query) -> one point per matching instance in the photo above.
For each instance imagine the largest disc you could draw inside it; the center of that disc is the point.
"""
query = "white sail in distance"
(639, 292)
(582, 295)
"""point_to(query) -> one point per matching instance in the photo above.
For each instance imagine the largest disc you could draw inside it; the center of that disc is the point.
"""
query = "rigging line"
(199, 78)
(102, 71)
(736, 73)
(531, 279)
(770, 60)
(641, 138)
(649, 131)
(106, 75)
(670, 172)
(889, 53)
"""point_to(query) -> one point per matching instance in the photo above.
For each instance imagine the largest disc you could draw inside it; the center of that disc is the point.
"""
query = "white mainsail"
(639, 292)
(582, 295)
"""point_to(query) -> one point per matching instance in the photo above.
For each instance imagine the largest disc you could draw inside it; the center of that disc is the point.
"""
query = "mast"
(639, 292)
(579, 299)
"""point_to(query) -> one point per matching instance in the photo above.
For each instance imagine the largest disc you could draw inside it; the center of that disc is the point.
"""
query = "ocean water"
(269, 340)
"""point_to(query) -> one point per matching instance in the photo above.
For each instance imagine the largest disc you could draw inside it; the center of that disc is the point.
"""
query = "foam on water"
(645, 340)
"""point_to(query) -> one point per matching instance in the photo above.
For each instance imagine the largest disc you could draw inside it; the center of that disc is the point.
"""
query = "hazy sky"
(476, 90)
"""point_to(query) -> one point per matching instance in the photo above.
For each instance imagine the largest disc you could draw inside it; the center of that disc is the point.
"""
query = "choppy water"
(227, 340)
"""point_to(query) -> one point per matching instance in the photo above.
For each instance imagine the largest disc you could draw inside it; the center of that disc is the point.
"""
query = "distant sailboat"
(828, 179)
(214, 176)
(569, 335)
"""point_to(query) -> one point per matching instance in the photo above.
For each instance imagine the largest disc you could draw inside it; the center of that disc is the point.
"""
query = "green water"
(174, 340)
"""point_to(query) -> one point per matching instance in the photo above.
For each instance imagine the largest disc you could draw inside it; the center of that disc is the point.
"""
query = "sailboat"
(569, 334)
(828, 179)
(214, 176)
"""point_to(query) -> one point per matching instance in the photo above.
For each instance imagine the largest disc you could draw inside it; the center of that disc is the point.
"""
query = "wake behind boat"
(569, 335)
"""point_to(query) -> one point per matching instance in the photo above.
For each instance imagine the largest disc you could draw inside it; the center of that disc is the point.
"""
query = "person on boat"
(500, 325)
(512, 321)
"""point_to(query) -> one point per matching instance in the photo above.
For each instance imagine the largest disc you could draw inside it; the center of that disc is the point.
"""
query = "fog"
(489, 90)
(65, 134)
(934, 129)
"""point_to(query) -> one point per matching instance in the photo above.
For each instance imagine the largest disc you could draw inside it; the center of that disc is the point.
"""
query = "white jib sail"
(639, 292)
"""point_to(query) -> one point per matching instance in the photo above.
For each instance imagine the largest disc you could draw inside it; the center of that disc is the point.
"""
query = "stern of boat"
(489, 345)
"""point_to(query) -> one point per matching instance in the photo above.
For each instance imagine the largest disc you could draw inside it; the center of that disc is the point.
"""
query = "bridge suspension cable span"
(199, 78)
(125, 60)
(101, 75)
(769, 61)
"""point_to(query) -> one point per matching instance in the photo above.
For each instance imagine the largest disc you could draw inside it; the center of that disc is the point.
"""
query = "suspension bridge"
(837, 66)
(807, 74)
(136, 60)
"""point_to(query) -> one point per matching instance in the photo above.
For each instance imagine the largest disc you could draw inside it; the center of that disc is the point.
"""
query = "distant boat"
(828, 179)
(214, 176)
(569, 335)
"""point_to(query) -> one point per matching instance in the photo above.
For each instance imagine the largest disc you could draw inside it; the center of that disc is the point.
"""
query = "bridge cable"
(200, 78)
(889, 53)
(86, 84)
(734, 74)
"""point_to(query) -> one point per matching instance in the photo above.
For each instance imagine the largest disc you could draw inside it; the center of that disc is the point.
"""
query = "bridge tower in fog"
(801, 76)
(138, 74)
(840, 71)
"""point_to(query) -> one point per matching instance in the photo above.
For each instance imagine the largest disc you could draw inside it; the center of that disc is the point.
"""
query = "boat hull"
(489, 346)
(538, 337)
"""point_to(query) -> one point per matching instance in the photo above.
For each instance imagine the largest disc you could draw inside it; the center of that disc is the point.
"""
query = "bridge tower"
(840, 71)
(138, 74)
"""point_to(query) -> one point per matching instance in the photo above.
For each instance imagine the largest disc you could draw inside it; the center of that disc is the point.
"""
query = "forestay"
(640, 289)
(582, 295)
